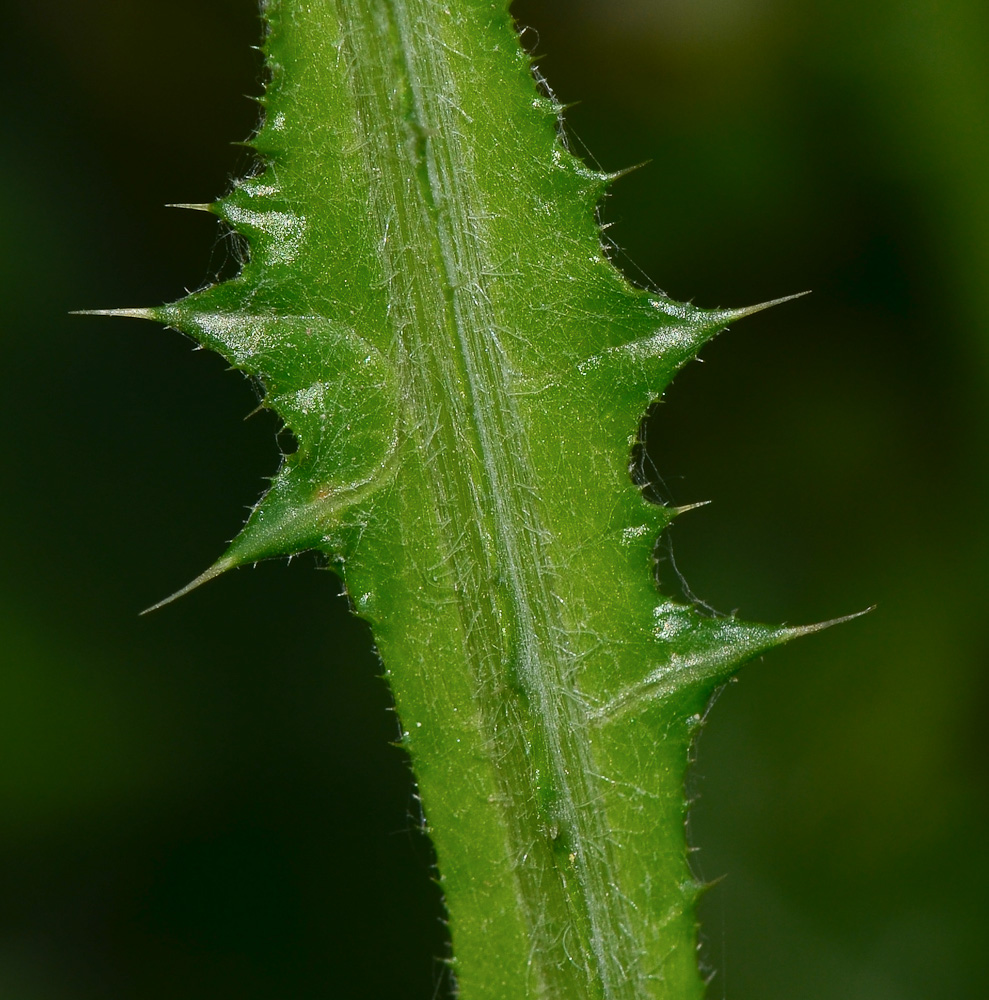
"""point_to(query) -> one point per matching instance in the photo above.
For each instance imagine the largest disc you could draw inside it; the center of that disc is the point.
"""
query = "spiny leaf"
(336, 393)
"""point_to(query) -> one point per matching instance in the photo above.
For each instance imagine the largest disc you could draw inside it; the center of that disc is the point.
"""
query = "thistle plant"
(430, 309)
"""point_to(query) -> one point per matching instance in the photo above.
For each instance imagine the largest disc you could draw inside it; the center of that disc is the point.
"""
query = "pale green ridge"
(428, 307)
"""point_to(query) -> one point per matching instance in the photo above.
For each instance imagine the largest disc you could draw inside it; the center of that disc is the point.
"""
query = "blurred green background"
(203, 803)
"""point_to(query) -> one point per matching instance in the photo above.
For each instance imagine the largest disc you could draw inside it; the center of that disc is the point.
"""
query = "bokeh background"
(204, 803)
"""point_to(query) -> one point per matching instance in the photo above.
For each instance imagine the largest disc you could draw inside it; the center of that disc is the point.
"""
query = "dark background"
(203, 803)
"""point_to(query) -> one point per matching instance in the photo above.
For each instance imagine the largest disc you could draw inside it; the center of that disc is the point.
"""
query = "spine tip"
(796, 631)
(220, 566)
(139, 313)
(736, 314)
(191, 206)
(677, 511)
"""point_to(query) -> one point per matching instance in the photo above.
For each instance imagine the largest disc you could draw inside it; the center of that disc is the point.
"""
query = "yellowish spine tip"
(220, 566)
(703, 888)
(677, 511)
(736, 314)
(191, 206)
(141, 313)
(796, 631)
(615, 175)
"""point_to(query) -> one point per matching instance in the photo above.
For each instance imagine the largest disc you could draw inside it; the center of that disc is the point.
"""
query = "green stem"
(495, 557)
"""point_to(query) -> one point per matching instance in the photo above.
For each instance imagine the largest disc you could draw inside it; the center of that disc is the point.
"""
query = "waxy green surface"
(429, 309)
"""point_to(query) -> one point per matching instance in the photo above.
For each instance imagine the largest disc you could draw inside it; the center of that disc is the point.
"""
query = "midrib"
(486, 516)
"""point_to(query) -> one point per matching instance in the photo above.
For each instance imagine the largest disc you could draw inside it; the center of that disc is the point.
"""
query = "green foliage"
(430, 310)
